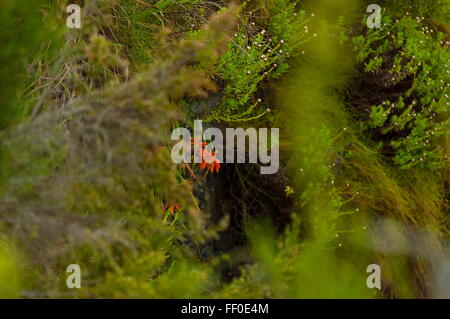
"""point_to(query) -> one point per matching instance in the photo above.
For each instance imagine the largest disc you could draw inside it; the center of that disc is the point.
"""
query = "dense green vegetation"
(406, 54)
(85, 170)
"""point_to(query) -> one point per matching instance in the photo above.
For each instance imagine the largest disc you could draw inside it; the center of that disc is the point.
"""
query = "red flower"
(214, 163)
(196, 144)
(172, 208)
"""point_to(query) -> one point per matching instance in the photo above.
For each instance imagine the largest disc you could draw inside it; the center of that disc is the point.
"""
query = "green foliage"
(9, 274)
(94, 176)
(288, 268)
(27, 32)
(408, 53)
(137, 24)
(435, 10)
(288, 23)
(258, 51)
(341, 183)
(88, 178)
(243, 67)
